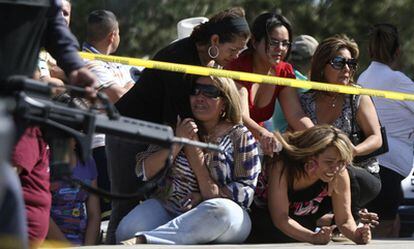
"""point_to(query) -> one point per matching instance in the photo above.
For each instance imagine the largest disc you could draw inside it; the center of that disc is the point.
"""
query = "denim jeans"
(215, 220)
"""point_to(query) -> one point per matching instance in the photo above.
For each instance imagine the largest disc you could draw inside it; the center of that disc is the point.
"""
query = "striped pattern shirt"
(107, 73)
(236, 169)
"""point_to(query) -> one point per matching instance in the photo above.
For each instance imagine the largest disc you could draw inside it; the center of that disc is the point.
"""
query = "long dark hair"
(263, 26)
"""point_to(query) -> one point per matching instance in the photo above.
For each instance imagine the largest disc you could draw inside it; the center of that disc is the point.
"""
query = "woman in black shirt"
(159, 96)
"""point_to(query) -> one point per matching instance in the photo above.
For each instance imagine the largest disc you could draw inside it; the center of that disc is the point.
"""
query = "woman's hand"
(186, 128)
(323, 236)
(268, 143)
(363, 234)
(191, 201)
(368, 217)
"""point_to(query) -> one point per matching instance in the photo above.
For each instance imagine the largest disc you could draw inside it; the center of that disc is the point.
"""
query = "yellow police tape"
(250, 77)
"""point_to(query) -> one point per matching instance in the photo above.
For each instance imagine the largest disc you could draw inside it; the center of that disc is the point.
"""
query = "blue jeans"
(216, 220)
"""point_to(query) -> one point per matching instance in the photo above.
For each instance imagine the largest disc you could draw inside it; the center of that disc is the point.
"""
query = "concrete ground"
(401, 243)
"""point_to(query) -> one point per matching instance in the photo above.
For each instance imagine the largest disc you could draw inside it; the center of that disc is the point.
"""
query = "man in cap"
(303, 48)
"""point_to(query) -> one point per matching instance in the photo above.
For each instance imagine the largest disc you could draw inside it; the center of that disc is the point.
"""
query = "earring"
(210, 53)
(223, 113)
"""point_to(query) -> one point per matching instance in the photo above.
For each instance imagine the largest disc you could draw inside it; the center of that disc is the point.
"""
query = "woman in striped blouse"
(205, 194)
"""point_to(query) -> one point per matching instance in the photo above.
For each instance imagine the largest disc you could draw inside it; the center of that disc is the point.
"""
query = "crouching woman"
(309, 179)
(205, 194)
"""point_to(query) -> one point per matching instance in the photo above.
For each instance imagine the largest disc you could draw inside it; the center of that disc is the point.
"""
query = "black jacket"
(159, 96)
(28, 25)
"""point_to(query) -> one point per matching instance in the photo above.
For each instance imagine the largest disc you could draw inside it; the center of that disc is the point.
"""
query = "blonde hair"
(233, 110)
(299, 146)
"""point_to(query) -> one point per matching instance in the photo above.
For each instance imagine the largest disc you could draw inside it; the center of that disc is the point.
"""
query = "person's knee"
(129, 224)
(235, 221)
(223, 209)
(376, 188)
(125, 230)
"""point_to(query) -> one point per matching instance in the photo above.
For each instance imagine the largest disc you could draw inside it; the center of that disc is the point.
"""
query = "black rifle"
(64, 121)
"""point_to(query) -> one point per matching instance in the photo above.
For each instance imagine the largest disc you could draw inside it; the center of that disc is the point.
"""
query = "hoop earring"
(210, 54)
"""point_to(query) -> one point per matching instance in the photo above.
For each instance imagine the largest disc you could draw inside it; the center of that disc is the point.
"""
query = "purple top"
(69, 203)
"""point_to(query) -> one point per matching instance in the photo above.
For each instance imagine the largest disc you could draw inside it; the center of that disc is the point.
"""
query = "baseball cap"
(303, 47)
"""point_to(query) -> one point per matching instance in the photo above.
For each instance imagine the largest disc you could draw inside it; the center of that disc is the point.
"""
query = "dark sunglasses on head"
(208, 91)
(339, 63)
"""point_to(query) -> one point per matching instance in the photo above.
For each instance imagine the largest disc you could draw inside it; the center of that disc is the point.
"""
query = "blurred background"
(148, 25)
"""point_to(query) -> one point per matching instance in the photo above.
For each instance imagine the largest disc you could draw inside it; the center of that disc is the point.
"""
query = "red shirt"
(245, 64)
(32, 155)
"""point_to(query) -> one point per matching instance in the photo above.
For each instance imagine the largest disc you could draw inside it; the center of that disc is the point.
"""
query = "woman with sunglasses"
(205, 195)
(267, 50)
(335, 62)
(307, 180)
(159, 96)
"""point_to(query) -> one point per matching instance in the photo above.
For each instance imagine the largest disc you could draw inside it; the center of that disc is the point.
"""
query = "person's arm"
(52, 80)
(278, 205)
(94, 218)
(107, 82)
(367, 120)
(341, 201)
(57, 73)
(195, 156)
(296, 118)
(265, 137)
(115, 91)
(208, 187)
(246, 168)
(254, 127)
(55, 234)
(153, 160)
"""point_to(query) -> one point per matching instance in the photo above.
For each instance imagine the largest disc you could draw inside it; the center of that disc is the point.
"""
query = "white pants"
(216, 220)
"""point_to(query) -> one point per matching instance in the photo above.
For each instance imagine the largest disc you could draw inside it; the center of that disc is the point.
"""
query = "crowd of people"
(310, 175)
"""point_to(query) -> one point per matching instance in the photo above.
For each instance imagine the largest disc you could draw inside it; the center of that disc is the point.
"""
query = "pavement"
(400, 243)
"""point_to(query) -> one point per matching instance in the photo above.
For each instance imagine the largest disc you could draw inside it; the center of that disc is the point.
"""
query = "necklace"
(210, 136)
(333, 101)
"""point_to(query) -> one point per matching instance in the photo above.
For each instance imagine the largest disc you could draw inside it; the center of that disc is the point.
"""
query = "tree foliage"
(148, 25)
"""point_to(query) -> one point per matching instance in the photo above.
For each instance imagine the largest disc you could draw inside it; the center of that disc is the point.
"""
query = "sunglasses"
(339, 63)
(208, 91)
(277, 43)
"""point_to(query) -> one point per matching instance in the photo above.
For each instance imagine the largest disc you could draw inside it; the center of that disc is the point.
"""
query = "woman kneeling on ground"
(205, 194)
(309, 179)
